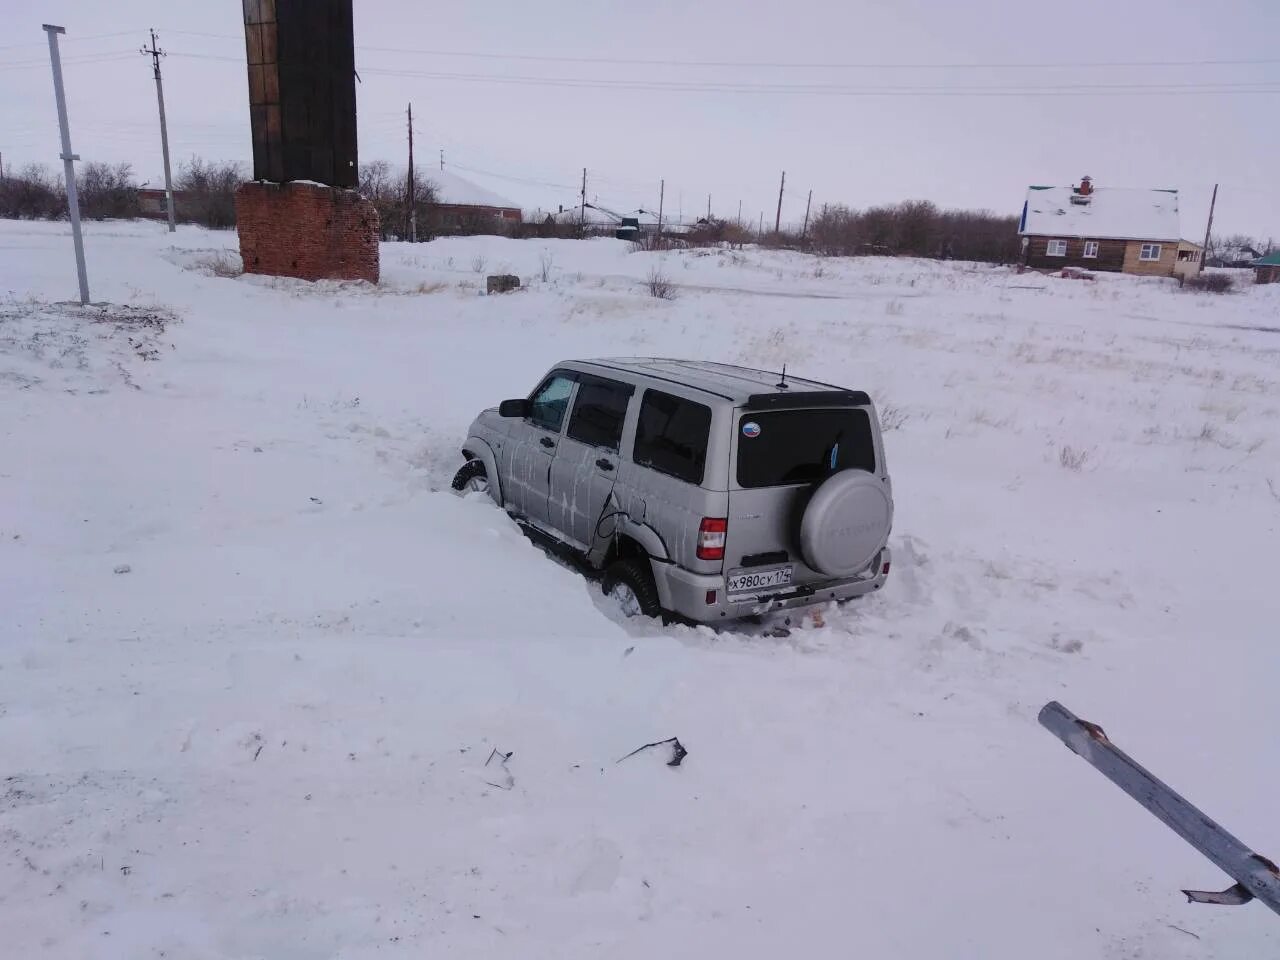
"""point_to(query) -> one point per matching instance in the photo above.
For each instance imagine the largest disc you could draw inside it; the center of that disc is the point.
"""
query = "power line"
(752, 64)
(1267, 86)
(501, 176)
(72, 61)
(1060, 90)
(73, 42)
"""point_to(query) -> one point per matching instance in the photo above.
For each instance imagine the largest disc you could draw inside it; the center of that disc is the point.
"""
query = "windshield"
(802, 446)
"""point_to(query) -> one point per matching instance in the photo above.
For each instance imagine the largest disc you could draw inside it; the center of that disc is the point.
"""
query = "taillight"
(711, 534)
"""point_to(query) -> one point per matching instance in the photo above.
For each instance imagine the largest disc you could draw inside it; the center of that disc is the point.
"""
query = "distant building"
(1267, 269)
(153, 203)
(463, 207)
(1107, 228)
(599, 220)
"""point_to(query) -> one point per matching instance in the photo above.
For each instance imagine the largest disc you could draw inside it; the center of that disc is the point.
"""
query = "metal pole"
(156, 53)
(164, 149)
(1257, 876)
(68, 158)
(804, 232)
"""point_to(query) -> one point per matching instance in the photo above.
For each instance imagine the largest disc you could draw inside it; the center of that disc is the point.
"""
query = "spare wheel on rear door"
(846, 523)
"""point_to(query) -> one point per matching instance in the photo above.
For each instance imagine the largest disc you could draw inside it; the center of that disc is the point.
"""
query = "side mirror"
(513, 408)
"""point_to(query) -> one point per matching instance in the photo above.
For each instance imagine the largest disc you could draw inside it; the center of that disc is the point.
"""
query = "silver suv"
(701, 490)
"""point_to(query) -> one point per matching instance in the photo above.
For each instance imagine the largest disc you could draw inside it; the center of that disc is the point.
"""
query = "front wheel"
(472, 478)
(629, 583)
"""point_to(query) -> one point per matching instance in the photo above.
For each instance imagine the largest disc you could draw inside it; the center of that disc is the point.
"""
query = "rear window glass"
(671, 435)
(598, 412)
(802, 446)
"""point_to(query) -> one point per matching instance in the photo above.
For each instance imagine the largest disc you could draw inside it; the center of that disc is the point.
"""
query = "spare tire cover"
(846, 523)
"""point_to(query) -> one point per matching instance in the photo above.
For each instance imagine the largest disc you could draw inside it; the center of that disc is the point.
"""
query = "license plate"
(751, 583)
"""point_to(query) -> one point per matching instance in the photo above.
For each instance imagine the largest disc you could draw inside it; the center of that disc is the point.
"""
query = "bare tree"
(107, 191)
(387, 188)
(32, 194)
(209, 192)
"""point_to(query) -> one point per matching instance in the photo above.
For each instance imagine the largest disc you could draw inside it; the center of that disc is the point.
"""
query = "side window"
(598, 412)
(671, 436)
(549, 403)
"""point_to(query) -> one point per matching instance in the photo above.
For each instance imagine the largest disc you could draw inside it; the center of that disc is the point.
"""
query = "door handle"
(604, 464)
(547, 442)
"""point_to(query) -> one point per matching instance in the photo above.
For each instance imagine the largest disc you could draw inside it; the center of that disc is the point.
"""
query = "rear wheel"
(629, 583)
(472, 478)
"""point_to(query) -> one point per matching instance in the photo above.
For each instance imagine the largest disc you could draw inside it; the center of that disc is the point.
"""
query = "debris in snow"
(502, 283)
(506, 780)
(315, 500)
(678, 752)
(122, 568)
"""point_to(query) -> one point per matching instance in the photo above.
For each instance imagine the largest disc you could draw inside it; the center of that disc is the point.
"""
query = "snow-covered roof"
(1112, 213)
(454, 190)
(597, 215)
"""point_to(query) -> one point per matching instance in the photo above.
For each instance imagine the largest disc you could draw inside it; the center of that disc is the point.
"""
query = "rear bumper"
(686, 593)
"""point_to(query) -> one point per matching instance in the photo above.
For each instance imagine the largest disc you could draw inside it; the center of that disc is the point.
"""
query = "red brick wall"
(307, 231)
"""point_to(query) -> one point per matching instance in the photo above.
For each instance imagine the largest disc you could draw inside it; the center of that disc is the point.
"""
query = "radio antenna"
(782, 384)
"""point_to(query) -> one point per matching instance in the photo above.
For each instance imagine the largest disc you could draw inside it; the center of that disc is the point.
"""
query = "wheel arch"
(477, 449)
(633, 540)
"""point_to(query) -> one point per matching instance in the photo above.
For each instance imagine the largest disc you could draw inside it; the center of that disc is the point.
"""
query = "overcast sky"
(532, 92)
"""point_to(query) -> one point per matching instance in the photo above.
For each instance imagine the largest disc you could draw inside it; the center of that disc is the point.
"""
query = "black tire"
(471, 470)
(636, 576)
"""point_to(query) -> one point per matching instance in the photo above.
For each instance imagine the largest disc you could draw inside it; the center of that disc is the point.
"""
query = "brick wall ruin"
(308, 231)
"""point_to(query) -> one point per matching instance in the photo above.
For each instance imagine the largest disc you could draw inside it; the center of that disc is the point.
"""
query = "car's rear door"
(779, 458)
(586, 463)
(533, 443)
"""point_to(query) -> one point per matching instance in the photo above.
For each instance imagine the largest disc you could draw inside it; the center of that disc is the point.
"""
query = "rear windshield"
(802, 446)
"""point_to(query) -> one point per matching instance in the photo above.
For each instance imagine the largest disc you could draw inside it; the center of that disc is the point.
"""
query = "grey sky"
(953, 147)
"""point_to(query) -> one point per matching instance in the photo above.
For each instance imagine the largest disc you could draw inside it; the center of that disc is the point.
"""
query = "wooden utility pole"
(582, 211)
(1209, 226)
(662, 194)
(156, 53)
(708, 208)
(739, 213)
(807, 204)
(760, 228)
(442, 158)
(777, 223)
(411, 194)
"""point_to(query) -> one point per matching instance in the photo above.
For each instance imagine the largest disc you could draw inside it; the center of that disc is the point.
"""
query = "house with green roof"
(1266, 269)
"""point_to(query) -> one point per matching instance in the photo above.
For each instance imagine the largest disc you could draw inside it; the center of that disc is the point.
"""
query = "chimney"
(562, 208)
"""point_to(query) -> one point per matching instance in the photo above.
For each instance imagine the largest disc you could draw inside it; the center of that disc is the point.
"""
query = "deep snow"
(268, 737)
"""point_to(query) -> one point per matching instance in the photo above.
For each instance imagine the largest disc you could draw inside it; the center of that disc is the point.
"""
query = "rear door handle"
(604, 464)
(547, 442)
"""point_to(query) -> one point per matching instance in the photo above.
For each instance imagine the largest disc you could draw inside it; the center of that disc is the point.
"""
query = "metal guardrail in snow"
(1255, 875)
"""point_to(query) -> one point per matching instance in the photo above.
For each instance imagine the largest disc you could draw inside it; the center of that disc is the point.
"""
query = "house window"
(1057, 248)
(1091, 249)
(1149, 251)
